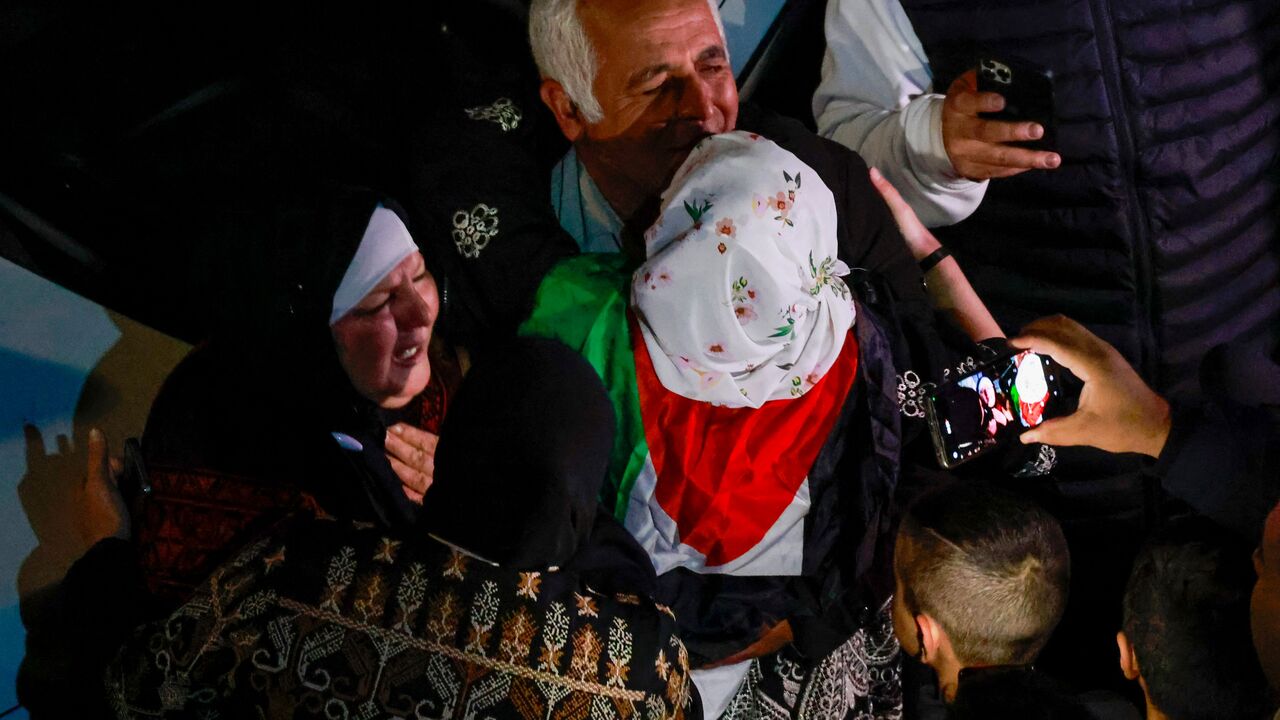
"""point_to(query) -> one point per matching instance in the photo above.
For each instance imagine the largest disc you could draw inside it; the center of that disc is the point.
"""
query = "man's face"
(663, 82)
(1266, 599)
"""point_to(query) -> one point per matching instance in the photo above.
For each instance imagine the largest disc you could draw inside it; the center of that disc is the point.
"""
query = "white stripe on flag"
(779, 552)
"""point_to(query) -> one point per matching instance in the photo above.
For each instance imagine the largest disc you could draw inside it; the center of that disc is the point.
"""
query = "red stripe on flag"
(725, 475)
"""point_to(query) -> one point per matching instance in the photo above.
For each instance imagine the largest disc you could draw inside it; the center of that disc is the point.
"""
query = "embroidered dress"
(331, 619)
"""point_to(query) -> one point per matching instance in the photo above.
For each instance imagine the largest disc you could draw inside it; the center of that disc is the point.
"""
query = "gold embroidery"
(271, 561)
(517, 636)
(530, 582)
(586, 654)
(661, 666)
(387, 551)
(456, 566)
(457, 654)
(586, 605)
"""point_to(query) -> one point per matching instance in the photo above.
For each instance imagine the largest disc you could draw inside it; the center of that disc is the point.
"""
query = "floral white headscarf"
(741, 301)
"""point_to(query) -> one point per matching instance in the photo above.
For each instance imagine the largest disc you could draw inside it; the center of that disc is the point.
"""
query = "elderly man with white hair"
(635, 84)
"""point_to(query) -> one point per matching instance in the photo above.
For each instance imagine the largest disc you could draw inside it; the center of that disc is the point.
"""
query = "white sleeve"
(875, 98)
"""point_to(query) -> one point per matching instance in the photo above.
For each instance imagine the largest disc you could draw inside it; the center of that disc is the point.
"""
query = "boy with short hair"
(1186, 626)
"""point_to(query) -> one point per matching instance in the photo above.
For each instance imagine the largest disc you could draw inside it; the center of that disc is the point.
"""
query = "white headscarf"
(385, 244)
(741, 301)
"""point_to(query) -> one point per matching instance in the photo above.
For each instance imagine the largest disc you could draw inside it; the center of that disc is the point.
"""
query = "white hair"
(564, 53)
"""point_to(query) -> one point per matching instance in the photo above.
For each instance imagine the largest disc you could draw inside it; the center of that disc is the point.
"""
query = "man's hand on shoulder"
(979, 148)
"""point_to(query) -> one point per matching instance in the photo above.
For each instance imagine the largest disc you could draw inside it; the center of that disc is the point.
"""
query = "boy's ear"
(931, 637)
(1128, 658)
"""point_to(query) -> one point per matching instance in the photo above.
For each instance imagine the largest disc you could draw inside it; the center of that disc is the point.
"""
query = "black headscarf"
(317, 238)
(522, 454)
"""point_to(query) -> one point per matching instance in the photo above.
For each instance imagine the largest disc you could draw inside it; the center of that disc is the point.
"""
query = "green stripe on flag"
(583, 303)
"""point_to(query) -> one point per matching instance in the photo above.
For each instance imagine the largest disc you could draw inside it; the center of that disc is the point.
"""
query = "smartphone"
(994, 404)
(1028, 95)
(134, 485)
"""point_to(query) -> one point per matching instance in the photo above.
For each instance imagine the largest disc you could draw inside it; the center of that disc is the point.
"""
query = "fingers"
(973, 149)
(36, 451)
(415, 436)
(415, 482)
(982, 171)
(1062, 432)
(966, 82)
(902, 212)
(971, 102)
(978, 148)
(99, 460)
(417, 449)
(919, 240)
(997, 131)
(1067, 341)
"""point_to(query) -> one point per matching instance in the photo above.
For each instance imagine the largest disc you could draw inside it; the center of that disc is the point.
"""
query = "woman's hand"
(920, 241)
(102, 510)
(412, 453)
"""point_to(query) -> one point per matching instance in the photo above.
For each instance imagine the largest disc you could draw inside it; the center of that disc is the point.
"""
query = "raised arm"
(876, 98)
(948, 288)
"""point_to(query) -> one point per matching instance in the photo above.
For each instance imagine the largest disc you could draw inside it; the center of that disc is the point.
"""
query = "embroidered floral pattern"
(860, 680)
(387, 551)
(473, 230)
(912, 394)
(1043, 464)
(502, 111)
(529, 583)
(456, 566)
(586, 605)
(789, 314)
(271, 561)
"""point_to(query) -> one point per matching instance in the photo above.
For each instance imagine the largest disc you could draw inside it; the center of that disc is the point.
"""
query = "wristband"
(934, 258)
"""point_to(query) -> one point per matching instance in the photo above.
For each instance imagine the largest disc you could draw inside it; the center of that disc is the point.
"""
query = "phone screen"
(994, 404)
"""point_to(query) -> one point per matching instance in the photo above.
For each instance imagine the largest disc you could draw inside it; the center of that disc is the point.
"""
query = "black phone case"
(1028, 96)
(1068, 391)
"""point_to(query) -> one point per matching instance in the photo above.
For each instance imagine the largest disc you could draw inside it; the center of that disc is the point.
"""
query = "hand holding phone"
(982, 147)
(994, 404)
(1118, 412)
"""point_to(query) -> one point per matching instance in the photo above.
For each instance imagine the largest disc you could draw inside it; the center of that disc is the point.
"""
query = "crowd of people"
(648, 438)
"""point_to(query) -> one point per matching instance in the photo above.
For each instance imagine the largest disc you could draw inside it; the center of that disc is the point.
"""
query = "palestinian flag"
(712, 489)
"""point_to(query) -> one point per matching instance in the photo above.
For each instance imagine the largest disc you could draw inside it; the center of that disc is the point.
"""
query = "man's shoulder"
(831, 160)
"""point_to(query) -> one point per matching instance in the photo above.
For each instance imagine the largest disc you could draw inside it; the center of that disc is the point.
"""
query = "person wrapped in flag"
(758, 437)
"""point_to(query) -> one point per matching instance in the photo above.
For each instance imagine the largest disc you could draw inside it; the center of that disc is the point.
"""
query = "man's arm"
(875, 98)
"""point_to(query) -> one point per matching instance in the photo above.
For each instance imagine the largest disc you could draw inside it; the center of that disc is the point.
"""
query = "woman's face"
(382, 342)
